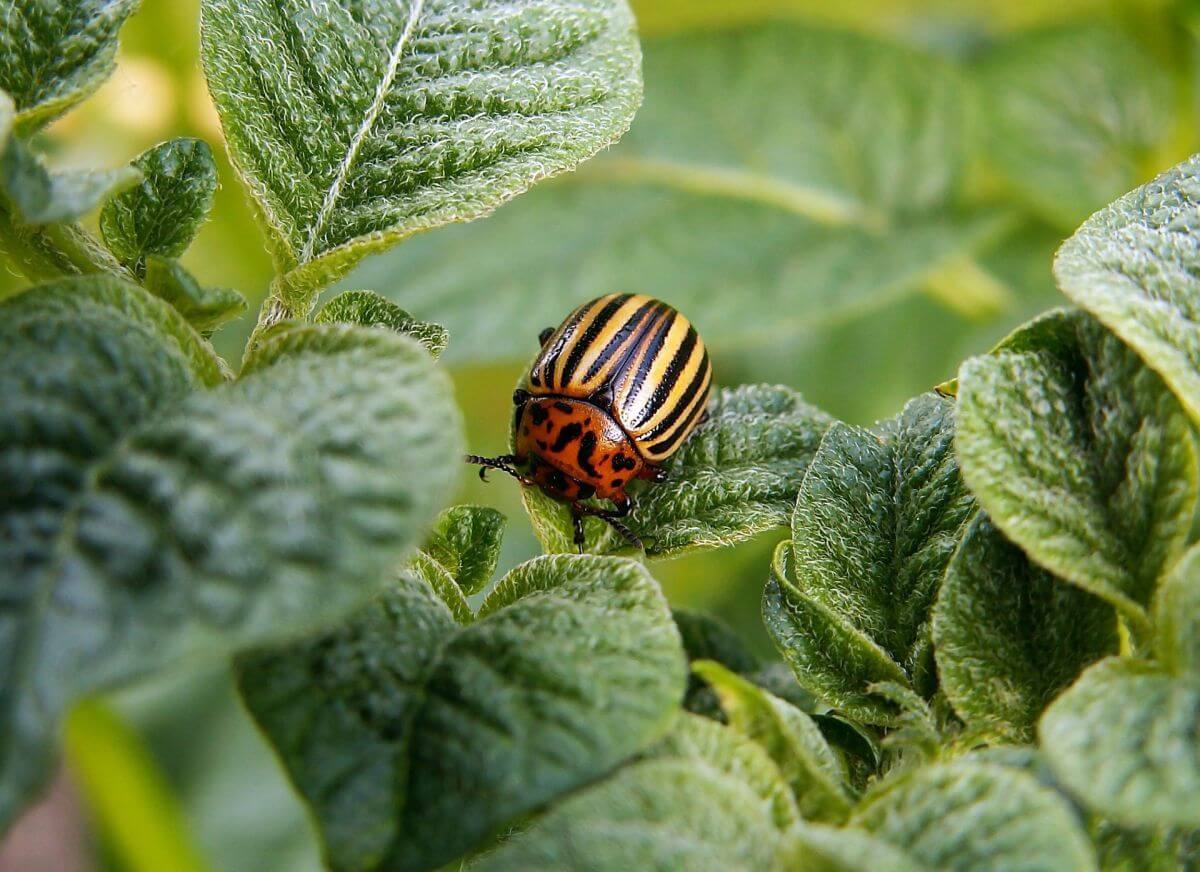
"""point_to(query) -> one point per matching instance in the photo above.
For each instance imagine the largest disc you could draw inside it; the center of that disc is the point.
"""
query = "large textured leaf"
(809, 171)
(789, 736)
(53, 54)
(1136, 266)
(413, 738)
(876, 521)
(735, 476)
(146, 521)
(974, 816)
(1081, 456)
(356, 124)
(162, 214)
(1073, 116)
(1008, 636)
(1126, 740)
(704, 799)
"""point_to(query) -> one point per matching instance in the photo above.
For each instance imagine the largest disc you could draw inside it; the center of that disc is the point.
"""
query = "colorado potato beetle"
(613, 394)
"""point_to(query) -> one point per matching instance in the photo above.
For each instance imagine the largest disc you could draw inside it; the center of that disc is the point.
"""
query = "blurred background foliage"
(847, 198)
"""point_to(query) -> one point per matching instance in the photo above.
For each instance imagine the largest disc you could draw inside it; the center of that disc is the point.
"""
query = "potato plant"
(987, 606)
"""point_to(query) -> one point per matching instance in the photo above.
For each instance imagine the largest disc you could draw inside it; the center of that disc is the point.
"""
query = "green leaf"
(206, 309)
(413, 738)
(387, 118)
(1009, 637)
(789, 736)
(812, 172)
(1136, 266)
(149, 522)
(824, 848)
(1081, 456)
(43, 197)
(465, 541)
(974, 816)
(369, 309)
(162, 214)
(735, 476)
(1177, 616)
(830, 657)
(7, 116)
(707, 638)
(1125, 739)
(52, 55)
(705, 798)
(1073, 117)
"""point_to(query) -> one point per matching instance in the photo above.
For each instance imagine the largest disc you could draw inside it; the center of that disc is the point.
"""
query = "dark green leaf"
(465, 541)
(52, 55)
(789, 736)
(206, 309)
(1136, 266)
(1009, 637)
(974, 816)
(369, 309)
(735, 476)
(704, 799)
(1081, 456)
(162, 214)
(413, 738)
(43, 197)
(1126, 740)
(387, 118)
(705, 637)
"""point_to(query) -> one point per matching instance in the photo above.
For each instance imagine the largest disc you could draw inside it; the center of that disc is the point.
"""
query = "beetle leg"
(577, 522)
(504, 463)
(611, 516)
(545, 335)
(655, 474)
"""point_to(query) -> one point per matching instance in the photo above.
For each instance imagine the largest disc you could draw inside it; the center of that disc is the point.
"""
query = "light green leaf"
(206, 309)
(439, 578)
(810, 171)
(1073, 116)
(148, 522)
(1125, 739)
(824, 848)
(1136, 266)
(789, 736)
(43, 197)
(52, 55)
(162, 214)
(830, 657)
(735, 476)
(704, 799)
(369, 309)
(8, 114)
(974, 816)
(1081, 456)
(1177, 616)
(387, 118)
(413, 739)
(466, 542)
(1009, 637)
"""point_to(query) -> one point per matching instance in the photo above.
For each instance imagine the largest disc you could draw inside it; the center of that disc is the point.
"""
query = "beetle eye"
(520, 396)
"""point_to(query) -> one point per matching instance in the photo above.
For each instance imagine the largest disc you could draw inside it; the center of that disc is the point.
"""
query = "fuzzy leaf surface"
(466, 542)
(1009, 636)
(148, 521)
(369, 309)
(705, 798)
(972, 816)
(1080, 455)
(1125, 739)
(52, 55)
(1073, 114)
(356, 124)
(831, 199)
(414, 737)
(1135, 265)
(735, 476)
(1177, 616)
(205, 308)
(161, 214)
(41, 196)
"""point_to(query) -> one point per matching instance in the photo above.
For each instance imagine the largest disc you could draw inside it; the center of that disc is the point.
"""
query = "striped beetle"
(614, 392)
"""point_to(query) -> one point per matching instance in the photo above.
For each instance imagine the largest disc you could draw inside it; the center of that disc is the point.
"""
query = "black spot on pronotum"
(565, 408)
(566, 436)
(622, 462)
(587, 446)
(538, 414)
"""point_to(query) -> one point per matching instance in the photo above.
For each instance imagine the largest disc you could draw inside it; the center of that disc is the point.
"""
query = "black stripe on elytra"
(594, 328)
(627, 329)
(541, 375)
(663, 390)
(566, 436)
(587, 447)
(667, 444)
(653, 349)
(684, 401)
